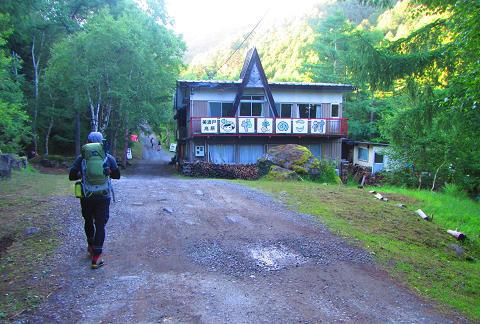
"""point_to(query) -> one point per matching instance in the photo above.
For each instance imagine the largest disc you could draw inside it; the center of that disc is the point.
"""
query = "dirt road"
(180, 250)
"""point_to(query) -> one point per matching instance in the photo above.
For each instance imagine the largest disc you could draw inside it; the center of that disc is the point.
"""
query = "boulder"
(278, 173)
(293, 157)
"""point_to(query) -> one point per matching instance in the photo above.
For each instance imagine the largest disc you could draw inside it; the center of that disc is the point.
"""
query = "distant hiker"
(151, 141)
(95, 167)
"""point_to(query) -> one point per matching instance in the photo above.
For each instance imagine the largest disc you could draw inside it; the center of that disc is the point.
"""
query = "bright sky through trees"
(198, 20)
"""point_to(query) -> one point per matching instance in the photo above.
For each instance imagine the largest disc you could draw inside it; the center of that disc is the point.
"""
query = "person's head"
(95, 137)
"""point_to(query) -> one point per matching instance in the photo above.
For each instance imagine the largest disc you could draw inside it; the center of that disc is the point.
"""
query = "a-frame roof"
(251, 61)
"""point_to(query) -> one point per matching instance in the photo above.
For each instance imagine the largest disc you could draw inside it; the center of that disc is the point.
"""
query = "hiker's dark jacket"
(76, 169)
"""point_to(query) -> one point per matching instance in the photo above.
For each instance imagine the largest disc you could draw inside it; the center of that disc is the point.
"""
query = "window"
(316, 150)
(335, 110)
(307, 110)
(363, 154)
(285, 111)
(221, 153)
(249, 154)
(378, 158)
(251, 106)
(220, 109)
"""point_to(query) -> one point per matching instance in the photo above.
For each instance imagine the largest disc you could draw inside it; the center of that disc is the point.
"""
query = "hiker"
(151, 141)
(95, 167)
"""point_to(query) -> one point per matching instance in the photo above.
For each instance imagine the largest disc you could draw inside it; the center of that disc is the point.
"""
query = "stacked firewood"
(223, 171)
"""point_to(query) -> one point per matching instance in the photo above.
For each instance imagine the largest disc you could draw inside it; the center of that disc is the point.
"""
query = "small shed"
(366, 154)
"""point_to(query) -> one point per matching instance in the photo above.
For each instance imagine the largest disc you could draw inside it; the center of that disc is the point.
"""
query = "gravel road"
(188, 250)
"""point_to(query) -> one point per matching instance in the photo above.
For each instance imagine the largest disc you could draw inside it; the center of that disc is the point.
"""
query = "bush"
(454, 190)
(326, 173)
(401, 178)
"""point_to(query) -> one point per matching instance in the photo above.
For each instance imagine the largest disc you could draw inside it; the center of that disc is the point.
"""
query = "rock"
(199, 192)
(401, 206)
(168, 210)
(138, 204)
(292, 157)
(31, 231)
(279, 173)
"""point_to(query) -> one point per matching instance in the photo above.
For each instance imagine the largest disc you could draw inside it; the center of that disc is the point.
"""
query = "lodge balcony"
(264, 126)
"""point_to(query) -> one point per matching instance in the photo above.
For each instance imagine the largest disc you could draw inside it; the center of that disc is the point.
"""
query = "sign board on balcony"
(246, 125)
(228, 125)
(173, 147)
(209, 125)
(265, 125)
(283, 126)
(319, 126)
(300, 126)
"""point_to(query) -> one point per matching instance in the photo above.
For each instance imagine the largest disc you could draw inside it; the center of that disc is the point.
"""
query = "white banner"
(283, 126)
(228, 125)
(318, 126)
(209, 125)
(246, 125)
(300, 126)
(265, 125)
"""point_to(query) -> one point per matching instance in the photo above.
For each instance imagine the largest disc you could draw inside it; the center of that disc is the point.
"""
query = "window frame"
(338, 110)
(249, 100)
(314, 105)
(222, 103)
(358, 153)
(281, 109)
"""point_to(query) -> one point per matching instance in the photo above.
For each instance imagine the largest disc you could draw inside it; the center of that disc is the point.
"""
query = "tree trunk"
(435, 176)
(47, 136)
(77, 133)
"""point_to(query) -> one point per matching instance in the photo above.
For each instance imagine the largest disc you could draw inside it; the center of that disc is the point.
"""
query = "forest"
(71, 66)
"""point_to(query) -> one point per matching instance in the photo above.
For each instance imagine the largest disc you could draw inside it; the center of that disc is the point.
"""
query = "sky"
(200, 20)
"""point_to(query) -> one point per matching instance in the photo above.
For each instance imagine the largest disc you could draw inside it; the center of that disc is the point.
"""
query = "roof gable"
(253, 75)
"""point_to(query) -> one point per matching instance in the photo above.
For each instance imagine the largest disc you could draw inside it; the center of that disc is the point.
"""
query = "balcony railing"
(263, 126)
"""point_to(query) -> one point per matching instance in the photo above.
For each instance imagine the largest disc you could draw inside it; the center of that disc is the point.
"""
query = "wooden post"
(422, 214)
(458, 235)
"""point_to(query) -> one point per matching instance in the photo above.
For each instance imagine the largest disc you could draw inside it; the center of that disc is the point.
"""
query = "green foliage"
(13, 119)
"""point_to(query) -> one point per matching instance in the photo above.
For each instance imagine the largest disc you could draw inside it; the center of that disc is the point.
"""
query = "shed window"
(363, 154)
(250, 153)
(378, 158)
(221, 153)
(335, 110)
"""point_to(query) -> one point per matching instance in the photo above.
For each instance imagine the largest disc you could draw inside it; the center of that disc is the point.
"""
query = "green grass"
(413, 251)
(25, 201)
(449, 211)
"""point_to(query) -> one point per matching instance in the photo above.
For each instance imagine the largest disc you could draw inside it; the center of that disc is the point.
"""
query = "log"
(378, 196)
(401, 206)
(458, 235)
(362, 183)
(422, 214)
(372, 192)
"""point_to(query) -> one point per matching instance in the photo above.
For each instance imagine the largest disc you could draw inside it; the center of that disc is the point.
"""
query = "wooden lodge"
(237, 121)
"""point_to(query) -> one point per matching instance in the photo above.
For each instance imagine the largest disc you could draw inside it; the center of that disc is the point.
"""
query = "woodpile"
(223, 171)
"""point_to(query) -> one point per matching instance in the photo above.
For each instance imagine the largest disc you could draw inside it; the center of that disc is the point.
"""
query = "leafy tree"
(13, 119)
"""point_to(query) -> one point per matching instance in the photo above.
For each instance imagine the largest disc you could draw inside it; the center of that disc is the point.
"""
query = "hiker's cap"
(95, 137)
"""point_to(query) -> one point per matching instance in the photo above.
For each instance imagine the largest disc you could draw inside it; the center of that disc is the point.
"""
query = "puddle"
(275, 257)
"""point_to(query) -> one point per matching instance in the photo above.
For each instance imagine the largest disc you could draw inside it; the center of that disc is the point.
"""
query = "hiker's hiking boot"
(97, 262)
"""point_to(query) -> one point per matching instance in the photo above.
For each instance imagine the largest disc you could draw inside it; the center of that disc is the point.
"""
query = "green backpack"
(94, 180)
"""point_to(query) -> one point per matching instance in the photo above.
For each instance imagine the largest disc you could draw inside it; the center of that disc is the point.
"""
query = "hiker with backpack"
(95, 167)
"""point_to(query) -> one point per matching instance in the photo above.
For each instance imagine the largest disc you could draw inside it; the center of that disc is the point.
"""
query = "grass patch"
(27, 237)
(415, 252)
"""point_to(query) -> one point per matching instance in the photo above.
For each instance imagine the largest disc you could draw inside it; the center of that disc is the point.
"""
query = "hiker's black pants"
(95, 211)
